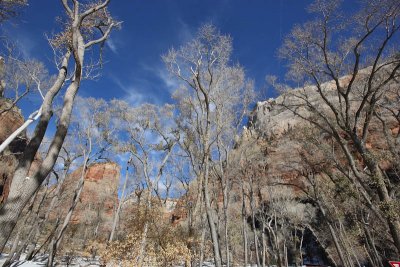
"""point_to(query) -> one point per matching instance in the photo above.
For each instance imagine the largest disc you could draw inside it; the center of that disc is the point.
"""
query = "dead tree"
(210, 87)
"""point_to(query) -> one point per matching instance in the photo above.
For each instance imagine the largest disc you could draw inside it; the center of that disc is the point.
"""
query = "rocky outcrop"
(10, 119)
(181, 209)
(274, 117)
(98, 198)
(297, 149)
(279, 120)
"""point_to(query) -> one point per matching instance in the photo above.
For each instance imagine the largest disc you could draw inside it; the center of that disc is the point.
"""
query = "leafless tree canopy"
(311, 175)
(10, 8)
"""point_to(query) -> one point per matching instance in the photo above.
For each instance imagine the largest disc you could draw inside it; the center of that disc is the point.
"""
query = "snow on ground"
(42, 260)
(81, 262)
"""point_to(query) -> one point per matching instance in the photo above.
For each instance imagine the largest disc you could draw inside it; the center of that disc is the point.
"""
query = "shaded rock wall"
(10, 120)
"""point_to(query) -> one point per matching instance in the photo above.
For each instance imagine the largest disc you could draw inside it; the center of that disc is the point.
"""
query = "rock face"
(10, 119)
(281, 123)
(101, 187)
(278, 120)
(273, 118)
(98, 197)
(181, 208)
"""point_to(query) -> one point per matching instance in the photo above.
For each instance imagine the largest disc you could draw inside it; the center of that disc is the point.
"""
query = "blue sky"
(134, 70)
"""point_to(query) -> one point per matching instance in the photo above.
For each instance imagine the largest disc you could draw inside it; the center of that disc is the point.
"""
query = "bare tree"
(68, 157)
(120, 203)
(18, 79)
(151, 138)
(228, 115)
(207, 81)
(347, 66)
(79, 35)
(21, 76)
(92, 134)
(10, 8)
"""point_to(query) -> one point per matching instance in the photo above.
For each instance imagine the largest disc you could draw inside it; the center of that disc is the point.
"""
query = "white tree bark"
(22, 187)
(33, 117)
(121, 201)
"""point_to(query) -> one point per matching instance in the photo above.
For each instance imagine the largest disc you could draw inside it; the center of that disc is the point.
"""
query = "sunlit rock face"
(99, 195)
(101, 187)
(279, 120)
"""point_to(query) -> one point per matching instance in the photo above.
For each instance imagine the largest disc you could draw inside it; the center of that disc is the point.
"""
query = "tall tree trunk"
(276, 242)
(23, 187)
(12, 255)
(202, 241)
(333, 235)
(379, 179)
(226, 218)
(39, 225)
(143, 244)
(285, 253)
(253, 221)
(264, 245)
(116, 218)
(347, 246)
(337, 244)
(212, 226)
(372, 248)
(244, 224)
(35, 225)
(210, 215)
(300, 249)
(11, 258)
(56, 241)
(255, 239)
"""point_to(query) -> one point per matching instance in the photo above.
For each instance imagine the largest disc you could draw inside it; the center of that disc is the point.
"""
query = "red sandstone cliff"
(98, 198)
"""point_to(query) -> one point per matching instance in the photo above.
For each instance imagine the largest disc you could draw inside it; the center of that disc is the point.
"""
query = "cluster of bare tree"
(84, 26)
(352, 67)
(324, 189)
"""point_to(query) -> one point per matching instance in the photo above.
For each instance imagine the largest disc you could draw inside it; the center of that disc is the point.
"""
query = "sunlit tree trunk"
(23, 187)
(121, 201)
(56, 240)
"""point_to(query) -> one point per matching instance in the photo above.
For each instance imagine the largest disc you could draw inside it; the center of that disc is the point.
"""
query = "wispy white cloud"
(24, 42)
(112, 44)
(185, 32)
(152, 81)
(168, 81)
(132, 95)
